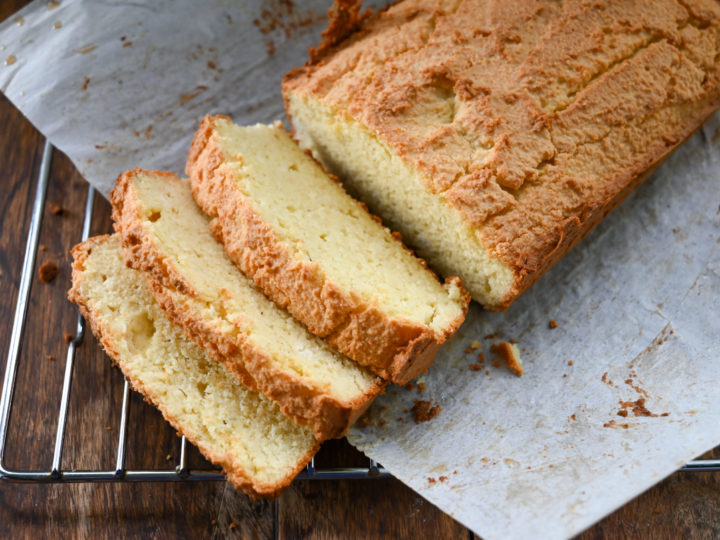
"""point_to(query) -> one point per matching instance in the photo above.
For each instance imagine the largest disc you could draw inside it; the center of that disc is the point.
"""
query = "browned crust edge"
(394, 348)
(306, 404)
(343, 19)
(240, 478)
(574, 229)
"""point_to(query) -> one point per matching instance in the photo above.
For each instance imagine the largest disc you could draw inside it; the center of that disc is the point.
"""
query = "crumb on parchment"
(425, 410)
(510, 355)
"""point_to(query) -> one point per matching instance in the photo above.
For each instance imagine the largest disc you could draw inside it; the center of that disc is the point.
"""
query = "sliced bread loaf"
(260, 449)
(316, 251)
(164, 233)
(495, 135)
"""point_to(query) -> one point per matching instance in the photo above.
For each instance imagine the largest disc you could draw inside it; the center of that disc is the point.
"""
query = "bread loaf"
(165, 234)
(259, 448)
(494, 135)
(316, 251)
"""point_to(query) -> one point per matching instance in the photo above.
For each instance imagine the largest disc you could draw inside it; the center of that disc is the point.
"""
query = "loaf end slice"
(317, 252)
(259, 448)
(165, 234)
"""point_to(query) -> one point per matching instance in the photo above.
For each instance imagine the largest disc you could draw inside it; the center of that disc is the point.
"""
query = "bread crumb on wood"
(48, 271)
(56, 209)
(511, 356)
(49, 357)
(68, 337)
(425, 410)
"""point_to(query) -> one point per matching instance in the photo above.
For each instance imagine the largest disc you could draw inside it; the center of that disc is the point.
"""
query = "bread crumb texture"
(322, 257)
(165, 234)
(260, 449)
(493, 135)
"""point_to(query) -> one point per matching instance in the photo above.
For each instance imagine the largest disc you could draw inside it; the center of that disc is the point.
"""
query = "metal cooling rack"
(181, 472)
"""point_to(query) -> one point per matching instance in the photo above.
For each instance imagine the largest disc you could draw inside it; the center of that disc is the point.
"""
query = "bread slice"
(164, 233)
(495, 135)
(259, 448)
(316, 251)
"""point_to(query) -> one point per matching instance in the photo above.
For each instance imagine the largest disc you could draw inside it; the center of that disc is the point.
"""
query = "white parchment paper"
(118, 85)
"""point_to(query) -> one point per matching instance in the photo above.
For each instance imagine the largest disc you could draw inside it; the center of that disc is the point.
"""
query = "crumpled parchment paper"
(620, 394)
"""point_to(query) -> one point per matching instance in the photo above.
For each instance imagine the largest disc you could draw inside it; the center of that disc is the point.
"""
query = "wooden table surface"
(685, 505)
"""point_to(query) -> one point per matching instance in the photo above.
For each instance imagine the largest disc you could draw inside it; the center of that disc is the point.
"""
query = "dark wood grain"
(686, 505)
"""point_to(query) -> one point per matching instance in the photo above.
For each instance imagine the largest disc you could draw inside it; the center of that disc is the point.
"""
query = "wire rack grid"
(181, 472)
(120, 473)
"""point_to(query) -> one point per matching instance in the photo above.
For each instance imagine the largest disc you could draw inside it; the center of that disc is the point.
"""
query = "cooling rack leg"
(62, 416)
(120, 461)
(181, 469)
(70, 359)
(23, 297)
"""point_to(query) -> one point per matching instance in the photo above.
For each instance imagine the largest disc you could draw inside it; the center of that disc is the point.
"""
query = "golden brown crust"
(343, 18)
(510, 355)
(239, 477)
(395, 349)
(307, 404)
(302, 402)
(533, 120)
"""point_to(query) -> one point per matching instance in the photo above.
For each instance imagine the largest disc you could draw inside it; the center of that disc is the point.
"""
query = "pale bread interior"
(392, 189)
(319, 222)
(226, 420)
(229, 300)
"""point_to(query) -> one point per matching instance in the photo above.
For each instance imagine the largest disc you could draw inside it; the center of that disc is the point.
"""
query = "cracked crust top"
(533, 119)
